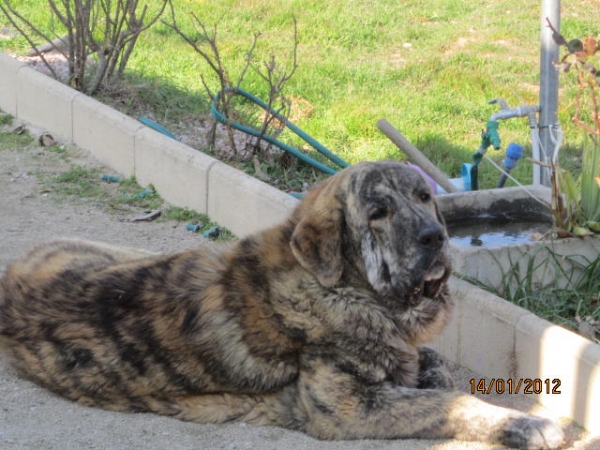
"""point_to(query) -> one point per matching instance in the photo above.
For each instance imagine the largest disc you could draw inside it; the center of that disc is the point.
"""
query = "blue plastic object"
(465, 173)
(212, 233)
(110, 178)
(146, 192)
(514, 152)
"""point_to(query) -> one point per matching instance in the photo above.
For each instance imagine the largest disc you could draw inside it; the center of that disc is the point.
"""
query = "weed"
(125, 195)
(14, 141)
(77, 182)
(5, 119)
(130, 193)
(571, 297)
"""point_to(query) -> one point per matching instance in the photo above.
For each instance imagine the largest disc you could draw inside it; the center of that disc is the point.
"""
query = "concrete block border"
(488, 335)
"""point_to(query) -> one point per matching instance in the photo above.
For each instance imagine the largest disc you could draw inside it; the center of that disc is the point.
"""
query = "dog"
(315, 325)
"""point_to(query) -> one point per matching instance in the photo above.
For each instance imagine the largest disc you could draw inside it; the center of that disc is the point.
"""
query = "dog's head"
(378, 220)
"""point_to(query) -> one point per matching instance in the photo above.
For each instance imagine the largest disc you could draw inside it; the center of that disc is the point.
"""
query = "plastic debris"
(193, 227)
(145, 193)
(212, 233)
(110, 178)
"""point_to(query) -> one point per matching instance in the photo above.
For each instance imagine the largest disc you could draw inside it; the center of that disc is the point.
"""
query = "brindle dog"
(314, 325)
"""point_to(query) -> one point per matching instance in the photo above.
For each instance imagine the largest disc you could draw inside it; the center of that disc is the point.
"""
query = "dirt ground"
(32, 418)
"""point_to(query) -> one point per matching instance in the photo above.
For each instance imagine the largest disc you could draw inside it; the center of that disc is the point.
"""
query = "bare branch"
(274, 123)
(6, 8)
(107, 28)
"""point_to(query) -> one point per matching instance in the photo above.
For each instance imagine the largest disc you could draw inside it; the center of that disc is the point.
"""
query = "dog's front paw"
(433, 372)
(532, 433)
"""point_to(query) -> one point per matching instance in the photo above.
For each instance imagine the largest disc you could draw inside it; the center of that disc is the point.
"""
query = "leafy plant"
(578, 209)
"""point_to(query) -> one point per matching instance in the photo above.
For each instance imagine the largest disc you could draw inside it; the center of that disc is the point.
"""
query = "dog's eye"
(424, 197)
(378, 213)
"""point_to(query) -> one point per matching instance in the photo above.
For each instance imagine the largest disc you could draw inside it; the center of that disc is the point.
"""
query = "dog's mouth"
(431, 284)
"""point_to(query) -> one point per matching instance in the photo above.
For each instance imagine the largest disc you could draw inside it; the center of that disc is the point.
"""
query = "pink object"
(429, 180)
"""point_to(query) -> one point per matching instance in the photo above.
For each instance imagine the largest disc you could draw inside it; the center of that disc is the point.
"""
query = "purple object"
(429, 180)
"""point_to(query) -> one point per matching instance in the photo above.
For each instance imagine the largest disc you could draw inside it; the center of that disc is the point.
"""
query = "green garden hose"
(220, 117)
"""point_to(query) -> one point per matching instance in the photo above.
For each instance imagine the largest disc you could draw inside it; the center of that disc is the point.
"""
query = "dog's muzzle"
(432, 282)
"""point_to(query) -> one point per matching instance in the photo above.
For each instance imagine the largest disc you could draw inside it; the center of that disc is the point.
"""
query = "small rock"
(46, 140)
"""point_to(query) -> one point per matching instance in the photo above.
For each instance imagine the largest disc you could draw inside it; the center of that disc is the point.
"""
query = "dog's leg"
(328, 403)
(433, 372)
(278, 409)
(338, 405)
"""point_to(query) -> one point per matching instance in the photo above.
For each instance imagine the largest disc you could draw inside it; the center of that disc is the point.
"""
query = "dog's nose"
(432, 236)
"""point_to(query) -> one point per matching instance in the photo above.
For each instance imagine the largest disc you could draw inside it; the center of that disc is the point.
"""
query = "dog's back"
(110, 327)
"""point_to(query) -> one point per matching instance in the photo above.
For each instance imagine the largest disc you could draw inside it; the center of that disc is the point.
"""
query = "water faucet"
(491, 136)
(507, 112)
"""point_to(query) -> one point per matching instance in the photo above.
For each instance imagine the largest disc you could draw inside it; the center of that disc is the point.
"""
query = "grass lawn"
(428, 67)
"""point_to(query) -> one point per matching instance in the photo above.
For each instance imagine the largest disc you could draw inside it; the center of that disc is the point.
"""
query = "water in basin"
(490, 231)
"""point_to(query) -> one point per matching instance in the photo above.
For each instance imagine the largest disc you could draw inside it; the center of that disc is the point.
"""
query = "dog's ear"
(317, 241)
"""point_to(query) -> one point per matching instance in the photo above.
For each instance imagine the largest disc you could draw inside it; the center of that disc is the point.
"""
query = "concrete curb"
(488, 335)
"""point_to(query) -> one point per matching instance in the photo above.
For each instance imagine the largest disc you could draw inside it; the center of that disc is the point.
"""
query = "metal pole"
(548, 88)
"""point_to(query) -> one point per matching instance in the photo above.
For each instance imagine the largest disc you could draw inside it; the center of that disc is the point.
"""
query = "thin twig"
(25, 34)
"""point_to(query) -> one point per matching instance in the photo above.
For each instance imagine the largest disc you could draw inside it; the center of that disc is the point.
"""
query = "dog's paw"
(433, 372)
(532, 433)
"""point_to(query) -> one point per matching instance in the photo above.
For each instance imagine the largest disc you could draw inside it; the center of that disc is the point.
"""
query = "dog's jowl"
(315, 325)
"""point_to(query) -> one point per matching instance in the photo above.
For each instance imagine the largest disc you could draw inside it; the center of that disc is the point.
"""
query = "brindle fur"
(314, 325)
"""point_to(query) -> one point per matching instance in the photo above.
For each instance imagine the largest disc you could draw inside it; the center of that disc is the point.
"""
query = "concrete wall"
(488, 335)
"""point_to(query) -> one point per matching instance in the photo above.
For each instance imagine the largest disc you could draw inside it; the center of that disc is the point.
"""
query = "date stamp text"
(515, 386)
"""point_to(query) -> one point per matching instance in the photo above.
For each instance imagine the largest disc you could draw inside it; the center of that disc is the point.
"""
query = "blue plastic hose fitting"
(514, 152)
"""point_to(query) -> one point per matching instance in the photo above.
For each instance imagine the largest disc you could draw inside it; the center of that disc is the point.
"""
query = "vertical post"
(549, 55)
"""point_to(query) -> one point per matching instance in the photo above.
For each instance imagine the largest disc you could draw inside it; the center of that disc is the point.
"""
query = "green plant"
(77, 181)
(5, 119)
(9, 141)
(190, 216)
(569, 296)
(577, 210)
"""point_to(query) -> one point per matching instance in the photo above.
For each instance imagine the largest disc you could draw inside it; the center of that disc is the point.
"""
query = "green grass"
(190, 216)
(125, 196)
(577, 296)
(5, 119)
(9, 140)
(87, 183)
(427, 67)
